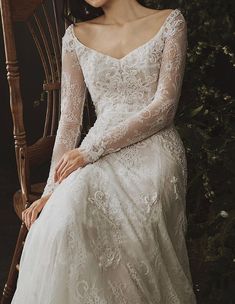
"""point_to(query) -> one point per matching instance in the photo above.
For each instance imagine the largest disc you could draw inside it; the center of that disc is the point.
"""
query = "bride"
(110, 225)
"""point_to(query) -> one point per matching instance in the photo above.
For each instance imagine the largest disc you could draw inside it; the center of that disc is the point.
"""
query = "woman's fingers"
(59, 163)
(66, 164)
(24, 215)
(30, 214)
(63, 164)
(66, 173)
(67, 167)
(27, 219)
(34, 214)
(57, 168)
(27, 216)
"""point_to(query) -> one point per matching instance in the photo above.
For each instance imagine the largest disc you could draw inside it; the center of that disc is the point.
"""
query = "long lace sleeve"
(160, 112)
(73, 93)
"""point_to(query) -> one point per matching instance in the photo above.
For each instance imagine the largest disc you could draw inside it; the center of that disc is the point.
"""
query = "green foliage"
(205, 120)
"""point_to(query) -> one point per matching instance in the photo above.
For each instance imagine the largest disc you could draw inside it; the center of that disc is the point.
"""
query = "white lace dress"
(113, 231)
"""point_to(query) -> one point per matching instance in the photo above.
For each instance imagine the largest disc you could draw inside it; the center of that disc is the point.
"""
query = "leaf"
(195, 111)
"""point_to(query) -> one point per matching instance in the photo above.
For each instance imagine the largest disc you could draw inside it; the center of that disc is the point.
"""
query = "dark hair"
(81, 10)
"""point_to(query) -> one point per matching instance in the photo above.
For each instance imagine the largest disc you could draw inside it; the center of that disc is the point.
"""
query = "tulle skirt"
(113, 232)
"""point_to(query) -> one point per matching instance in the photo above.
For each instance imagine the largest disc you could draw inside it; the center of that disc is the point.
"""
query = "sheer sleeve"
(73, 93)
(160, 112)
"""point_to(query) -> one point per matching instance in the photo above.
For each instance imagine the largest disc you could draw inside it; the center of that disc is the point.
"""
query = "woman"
(112, 223)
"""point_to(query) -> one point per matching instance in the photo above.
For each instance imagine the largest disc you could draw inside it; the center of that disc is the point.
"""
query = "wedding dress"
(113, 231)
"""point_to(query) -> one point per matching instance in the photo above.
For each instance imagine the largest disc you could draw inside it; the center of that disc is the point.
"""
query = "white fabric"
(113, 232)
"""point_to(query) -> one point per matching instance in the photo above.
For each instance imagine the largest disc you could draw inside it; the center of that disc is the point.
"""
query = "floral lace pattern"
(149, 88)
(139, 93)
(113, 232)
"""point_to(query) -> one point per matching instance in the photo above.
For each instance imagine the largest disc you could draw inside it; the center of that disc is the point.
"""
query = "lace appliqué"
(105, 231)
(125, 83)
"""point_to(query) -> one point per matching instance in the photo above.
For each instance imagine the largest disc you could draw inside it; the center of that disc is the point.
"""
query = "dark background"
(205, 120)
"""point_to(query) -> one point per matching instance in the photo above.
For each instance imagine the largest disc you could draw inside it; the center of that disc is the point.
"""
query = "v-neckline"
(132, 51)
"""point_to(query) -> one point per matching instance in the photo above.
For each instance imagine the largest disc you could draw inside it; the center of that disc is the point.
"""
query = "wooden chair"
(46, 27)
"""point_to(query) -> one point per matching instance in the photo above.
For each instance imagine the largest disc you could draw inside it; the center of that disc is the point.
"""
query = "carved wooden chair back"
(43, 20)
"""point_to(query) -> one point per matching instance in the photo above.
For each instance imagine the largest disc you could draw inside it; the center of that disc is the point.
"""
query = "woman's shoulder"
(178, 14)
(175, 20)
(68, 32)
(171, 17)
(175, 24)
(68, 39)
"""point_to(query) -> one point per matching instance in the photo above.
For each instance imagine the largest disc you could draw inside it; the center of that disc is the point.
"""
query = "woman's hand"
(70, 161)
(30, 214)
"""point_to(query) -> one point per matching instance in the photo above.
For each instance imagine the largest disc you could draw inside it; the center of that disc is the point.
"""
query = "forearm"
(67, 137)
(73, 93)
(132, 130)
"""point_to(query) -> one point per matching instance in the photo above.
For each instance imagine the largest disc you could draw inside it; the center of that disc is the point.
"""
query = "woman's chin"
(97, 3)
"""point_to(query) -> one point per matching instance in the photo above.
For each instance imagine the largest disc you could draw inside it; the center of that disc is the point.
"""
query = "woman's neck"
(120, 12)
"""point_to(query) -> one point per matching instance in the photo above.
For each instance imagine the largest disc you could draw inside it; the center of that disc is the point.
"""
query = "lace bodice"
(134, 96)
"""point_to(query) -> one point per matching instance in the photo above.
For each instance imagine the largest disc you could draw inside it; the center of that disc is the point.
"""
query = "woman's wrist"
(85, 156)
(89, 153)
(45, 197)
